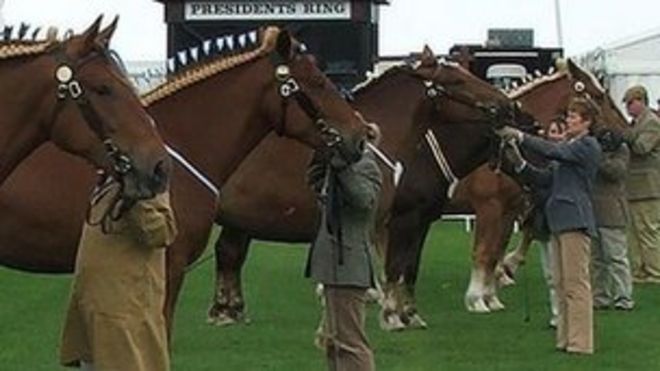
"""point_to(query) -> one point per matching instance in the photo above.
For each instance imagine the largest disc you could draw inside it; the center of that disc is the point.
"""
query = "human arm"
(153, 221)
(361, 182)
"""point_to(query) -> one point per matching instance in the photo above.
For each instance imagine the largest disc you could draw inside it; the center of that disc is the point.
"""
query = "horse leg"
(175, 275)
(489, 232)
(406, 237)
(507, 270)
(228, 305)
(492, 300)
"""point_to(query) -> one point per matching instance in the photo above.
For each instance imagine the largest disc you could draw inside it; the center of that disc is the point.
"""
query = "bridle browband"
(69, 87)
(288, 87)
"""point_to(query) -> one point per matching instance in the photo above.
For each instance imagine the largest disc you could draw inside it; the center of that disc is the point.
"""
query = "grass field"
(284, 315)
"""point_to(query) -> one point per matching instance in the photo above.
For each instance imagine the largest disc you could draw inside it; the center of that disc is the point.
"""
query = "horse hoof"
(477, 306)
(391, 323)
(494, 304)
(416, 322)
(374, 296)
(221, 320)
(505, 280)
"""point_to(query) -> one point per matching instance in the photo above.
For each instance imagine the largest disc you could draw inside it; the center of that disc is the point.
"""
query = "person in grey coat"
(570, 219)
(339, 258)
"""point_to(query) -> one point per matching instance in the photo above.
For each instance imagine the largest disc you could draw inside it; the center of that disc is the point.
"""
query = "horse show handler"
(570, 219)
(339, 258)
(115, 317)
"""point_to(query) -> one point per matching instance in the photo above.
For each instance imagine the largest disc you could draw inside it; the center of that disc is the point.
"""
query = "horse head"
(93, 111)
(319, 115)
(584, 84)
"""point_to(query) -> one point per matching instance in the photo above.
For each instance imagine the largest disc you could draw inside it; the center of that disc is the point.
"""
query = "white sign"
(266, 10)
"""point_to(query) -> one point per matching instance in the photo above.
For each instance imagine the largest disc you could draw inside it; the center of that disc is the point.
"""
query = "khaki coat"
(115, 315)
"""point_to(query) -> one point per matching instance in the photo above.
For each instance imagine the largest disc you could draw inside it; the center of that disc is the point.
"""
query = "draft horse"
(211, 114)
(497, 199)
(283, 209)
(73, 93)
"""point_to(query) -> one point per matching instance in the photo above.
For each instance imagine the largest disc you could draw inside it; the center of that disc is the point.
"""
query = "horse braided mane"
(14, 48)
(205, 70)
(532, 84)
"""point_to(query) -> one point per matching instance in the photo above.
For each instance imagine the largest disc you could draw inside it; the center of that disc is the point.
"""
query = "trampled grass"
(284, 314)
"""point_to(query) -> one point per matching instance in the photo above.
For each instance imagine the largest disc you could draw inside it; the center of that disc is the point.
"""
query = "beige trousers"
(644, 240)
(341, 332)
(571, 274)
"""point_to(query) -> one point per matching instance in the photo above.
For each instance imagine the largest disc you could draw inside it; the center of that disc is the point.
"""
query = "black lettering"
(325, 8)
(196, 9)
(290, 9)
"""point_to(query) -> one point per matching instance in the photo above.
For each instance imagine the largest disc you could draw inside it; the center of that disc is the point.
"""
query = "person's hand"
(512, 154)
(507, 134)
(609, 140)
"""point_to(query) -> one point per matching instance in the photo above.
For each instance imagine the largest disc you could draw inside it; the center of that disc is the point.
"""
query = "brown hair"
(583, 107)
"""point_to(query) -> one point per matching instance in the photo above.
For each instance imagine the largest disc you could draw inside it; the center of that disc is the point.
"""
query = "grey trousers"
(611, 277)
(341, 332)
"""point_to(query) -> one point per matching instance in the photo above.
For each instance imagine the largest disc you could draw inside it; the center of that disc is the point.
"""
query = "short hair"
(583, 107)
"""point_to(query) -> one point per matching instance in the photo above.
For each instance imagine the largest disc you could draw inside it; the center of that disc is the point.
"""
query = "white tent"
(634, 60)
(2, 20)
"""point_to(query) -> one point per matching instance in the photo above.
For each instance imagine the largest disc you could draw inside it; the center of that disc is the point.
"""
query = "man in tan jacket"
(643, 186)
(115, 318)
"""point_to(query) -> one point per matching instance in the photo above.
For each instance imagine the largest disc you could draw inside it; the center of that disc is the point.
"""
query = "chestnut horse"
(211, 115)
(285, 210)
(498, 201)
(408, 231)
(73, 93)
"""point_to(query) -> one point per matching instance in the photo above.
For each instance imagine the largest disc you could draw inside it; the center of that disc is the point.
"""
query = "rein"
(70, 88)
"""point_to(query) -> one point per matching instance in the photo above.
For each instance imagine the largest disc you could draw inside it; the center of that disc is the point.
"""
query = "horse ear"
(573, 68)
(103, 38)
(428, 58)
(89, 36)
(283, 45)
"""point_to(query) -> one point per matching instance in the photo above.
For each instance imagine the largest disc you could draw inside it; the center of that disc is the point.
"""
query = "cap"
(636, 92)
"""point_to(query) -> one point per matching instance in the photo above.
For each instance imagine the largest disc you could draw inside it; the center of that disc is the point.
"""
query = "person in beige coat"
(115, 317)
(643, 186)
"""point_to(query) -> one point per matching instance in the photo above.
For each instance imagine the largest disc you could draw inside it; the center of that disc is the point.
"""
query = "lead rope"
(441, 161)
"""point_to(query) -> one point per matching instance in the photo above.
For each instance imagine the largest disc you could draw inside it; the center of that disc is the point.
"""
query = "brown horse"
(407, 231)
(73, 93)
(285, 210)
(498, 200)
(211, 115)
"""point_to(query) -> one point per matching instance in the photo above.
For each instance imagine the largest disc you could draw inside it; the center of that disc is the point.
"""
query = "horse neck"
(392, 105)
(547, 100)
(21, 121)
(215, 123)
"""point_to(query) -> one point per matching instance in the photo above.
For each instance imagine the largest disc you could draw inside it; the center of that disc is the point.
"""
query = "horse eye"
(103, 90)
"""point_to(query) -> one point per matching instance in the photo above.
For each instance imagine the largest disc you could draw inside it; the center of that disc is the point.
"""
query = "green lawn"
(284, 314)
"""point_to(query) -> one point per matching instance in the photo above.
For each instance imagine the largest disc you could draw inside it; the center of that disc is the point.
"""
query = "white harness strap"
(193, 170)
(442, 162)
(396, 167)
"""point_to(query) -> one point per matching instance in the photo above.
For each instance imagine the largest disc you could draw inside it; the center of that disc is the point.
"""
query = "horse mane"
(19, 46)
(532, 84)
(204, 70)
(374, 80)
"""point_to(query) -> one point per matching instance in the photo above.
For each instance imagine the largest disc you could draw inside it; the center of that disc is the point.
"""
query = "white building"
(634, 60)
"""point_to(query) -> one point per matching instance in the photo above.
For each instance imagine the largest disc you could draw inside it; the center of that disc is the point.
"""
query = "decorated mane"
(195, 73)
(532, 84)
(19, 46)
